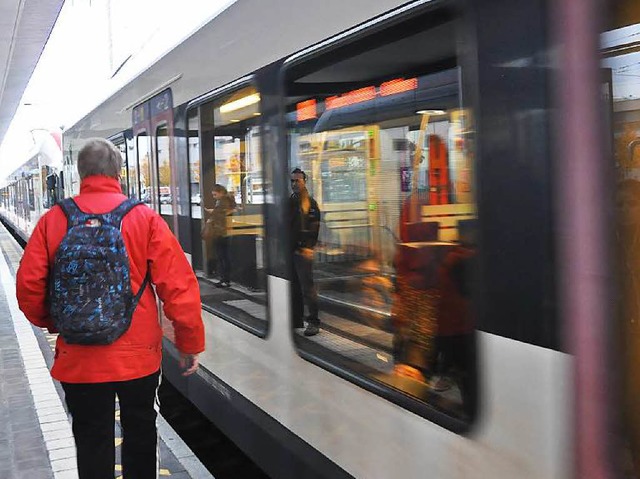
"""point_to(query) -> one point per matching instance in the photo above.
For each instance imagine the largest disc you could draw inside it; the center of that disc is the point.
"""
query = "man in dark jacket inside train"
(305, 225)
(92, 374)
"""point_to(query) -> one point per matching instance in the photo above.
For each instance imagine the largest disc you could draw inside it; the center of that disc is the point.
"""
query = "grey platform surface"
(35, 431)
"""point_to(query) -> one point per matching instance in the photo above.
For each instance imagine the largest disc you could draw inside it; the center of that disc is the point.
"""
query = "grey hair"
(99, 157)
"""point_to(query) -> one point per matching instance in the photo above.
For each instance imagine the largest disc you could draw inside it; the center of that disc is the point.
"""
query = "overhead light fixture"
(240, 103)
(431, 112)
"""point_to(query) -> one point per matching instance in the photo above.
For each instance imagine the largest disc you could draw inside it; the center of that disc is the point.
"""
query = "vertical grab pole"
(582, 205)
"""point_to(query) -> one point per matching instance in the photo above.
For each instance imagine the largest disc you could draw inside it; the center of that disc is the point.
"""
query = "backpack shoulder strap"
(114, 217)
(72, 211)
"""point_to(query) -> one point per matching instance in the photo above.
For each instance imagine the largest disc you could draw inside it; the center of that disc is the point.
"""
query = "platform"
(36, 441)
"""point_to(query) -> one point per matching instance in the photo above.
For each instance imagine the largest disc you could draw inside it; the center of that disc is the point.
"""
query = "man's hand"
(189, 363)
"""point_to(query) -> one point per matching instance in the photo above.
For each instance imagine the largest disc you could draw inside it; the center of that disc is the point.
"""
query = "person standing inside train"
(305, 226)
(217, 225)
(129, 366)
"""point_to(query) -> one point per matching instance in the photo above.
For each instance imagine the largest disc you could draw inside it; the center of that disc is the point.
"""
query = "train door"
(120, 143)
(165, 190)
(153, 133)
(142, 146)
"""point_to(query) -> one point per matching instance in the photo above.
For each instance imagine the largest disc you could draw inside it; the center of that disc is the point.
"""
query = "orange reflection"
(398, 85)
(351, 98)
(628, 234)
(306, 110)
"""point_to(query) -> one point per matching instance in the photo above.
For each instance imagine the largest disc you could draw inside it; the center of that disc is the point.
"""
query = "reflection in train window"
(231, 192)
(238, 162)
(621, 112)
(386, 148)
(144, 168)
(164, 173)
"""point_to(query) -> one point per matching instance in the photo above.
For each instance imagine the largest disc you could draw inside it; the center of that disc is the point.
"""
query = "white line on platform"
(41, 385)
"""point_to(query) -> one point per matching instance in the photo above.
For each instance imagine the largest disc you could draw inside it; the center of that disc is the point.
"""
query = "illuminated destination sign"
(307, 110)
(399, 85)
(351, 98)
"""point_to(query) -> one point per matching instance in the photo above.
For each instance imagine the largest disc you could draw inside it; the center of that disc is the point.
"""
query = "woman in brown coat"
(217, 227)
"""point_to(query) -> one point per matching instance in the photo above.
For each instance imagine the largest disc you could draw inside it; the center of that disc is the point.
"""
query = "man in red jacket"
(92, 375)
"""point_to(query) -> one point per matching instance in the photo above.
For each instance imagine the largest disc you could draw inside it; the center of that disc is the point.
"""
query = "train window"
(238, 162)
(621, 87)
(194, 165)
(144, 168)
(132, 169)
(121, 145)
(32, 192)
(231, 192)
(380, 150)
(164, 172)
(193, 152)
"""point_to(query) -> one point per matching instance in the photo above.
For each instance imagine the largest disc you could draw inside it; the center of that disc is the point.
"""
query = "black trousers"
(92, 408)
(222, 258)
(459, 353)
(303, 289)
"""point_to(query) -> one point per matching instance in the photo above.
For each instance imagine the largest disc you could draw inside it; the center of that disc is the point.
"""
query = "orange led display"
(306, 110)
(350, 98)
(398, 85)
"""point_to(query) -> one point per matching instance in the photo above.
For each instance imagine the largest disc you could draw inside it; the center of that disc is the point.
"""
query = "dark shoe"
(311, 330)
(222, 284)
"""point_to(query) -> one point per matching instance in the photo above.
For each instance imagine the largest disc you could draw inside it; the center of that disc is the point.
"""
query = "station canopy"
(25, 26)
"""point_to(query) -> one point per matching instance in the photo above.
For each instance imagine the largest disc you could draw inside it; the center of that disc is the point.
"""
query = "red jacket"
(454, 311)
(137, 352)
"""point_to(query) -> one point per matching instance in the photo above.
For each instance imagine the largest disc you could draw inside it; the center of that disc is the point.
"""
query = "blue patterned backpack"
(90, 296)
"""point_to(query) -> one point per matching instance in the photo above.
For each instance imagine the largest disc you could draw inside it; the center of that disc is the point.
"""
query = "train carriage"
(449, 294)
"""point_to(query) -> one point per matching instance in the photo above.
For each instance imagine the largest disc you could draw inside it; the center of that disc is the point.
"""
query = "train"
(36, 185)
(465, 157)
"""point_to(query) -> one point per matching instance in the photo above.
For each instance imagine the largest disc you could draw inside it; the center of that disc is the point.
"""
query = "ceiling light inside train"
(431, 112)
(240, 103)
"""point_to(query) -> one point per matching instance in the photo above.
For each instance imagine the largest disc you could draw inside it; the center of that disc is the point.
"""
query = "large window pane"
(144, 168)
(195, 188)
(194, 165)
(164, 172)
(387, 153)
(231, 192)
